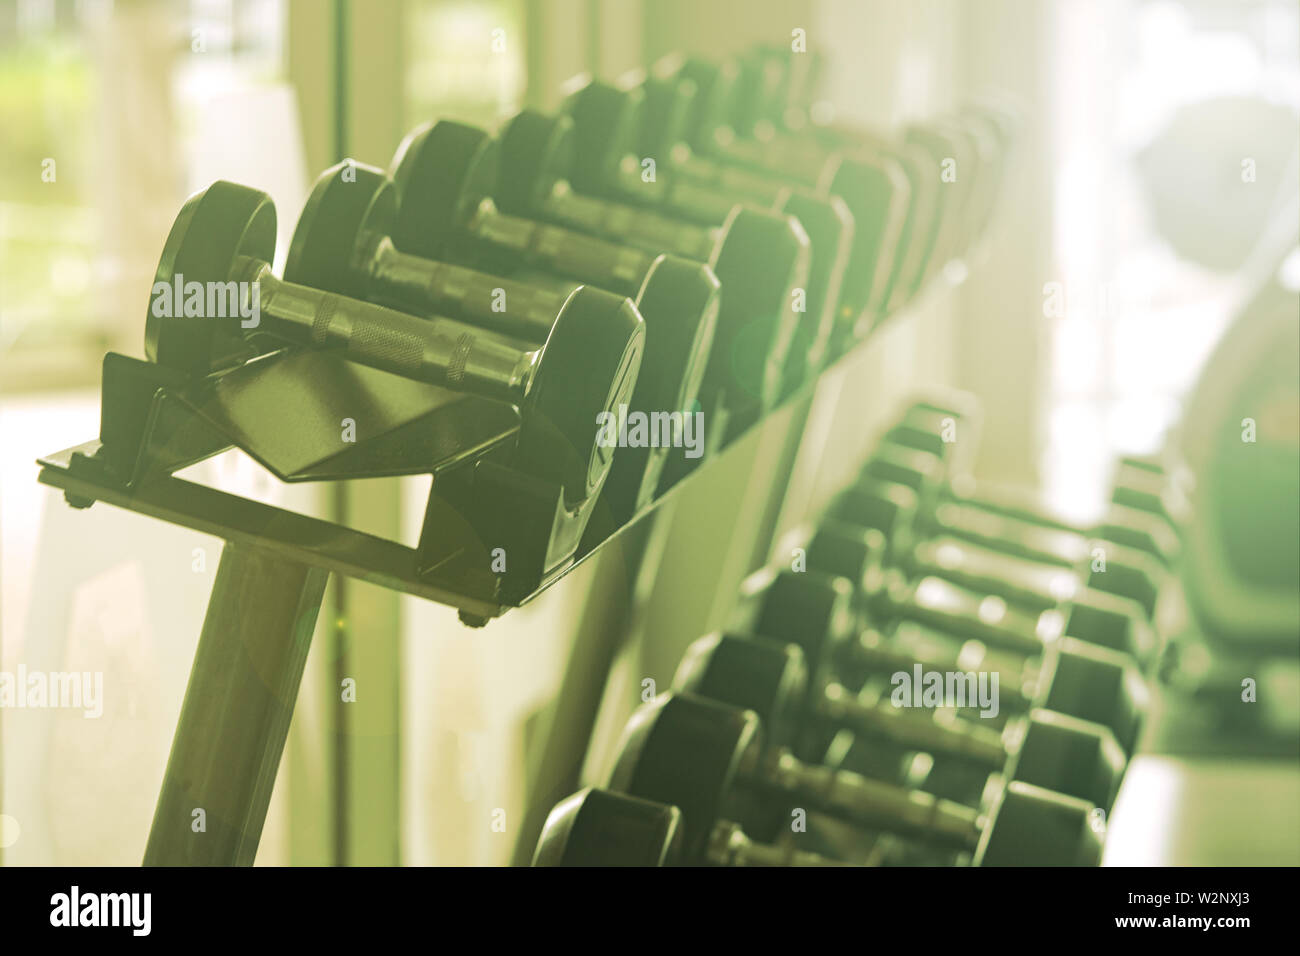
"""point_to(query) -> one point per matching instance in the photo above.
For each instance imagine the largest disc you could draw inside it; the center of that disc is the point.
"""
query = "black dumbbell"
(556, 169)
(1124, 555)
(1038, 569)
(708, 759)
(1091, 687)
(947, 220)
(596, 827)
(600, 828)
(758, 135)
(588, 365)
(690, 102)
(540, 151)
(446, 174)
(1006, 631)
(793, 688)
(1000, 518)
(1140, 515)
(1070, 675)
(343, 244)
(791, 694)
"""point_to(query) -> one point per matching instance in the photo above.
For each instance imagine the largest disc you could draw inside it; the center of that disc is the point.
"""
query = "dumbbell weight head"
(874, 190)
(829, 225)
(342, 244)
(206, 241)
(588, 364)
(606, 126)
(710, 759)
(763, 112)
(537, 156)
(1032, 826)
(945, 226)
(1038, 567)
(601, 117)
(902, 458)
(761, 257)
(597, 827)
(1049, 749)
(1090, 683)
(447, 174)
(889, 508)
(774, 679)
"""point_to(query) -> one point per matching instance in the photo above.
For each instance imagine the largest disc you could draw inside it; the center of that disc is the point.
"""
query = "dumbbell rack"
(275, 563)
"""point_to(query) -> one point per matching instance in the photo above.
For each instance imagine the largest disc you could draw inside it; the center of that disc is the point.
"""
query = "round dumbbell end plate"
(213, 228)
(588, 368)
(686, 751)
(349, 201)
(442, 172)
(760, 260)
(606, 124)
(535, 150)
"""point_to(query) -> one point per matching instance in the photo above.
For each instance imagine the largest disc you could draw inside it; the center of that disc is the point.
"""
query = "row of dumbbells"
(664, 243)
(788, 718)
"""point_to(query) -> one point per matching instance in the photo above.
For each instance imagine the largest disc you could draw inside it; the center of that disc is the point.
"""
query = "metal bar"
(294, 537)
(237, 708)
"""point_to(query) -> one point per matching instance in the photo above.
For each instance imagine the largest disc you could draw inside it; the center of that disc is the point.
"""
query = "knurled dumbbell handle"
(434, 350)
(496, 303)
(614, 266)
(638, 227)
(915, 729)
(870, 651)
(872, 803)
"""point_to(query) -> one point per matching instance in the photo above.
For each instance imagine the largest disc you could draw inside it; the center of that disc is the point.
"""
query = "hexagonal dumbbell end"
(1097, 684)
(1068, 755)
(1036, 827)
(601, 828)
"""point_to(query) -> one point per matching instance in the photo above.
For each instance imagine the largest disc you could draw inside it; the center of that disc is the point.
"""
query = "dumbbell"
(596, 827)
(1035, 567)
(965, 510)
(539, 153)
(1126, 554)
(1069, 675)
(710, 759)
(1093, 687)
(981, 608)
(603, 121)
(588, 364)
(793, 696)
(757, 135)
(688, 105)
(343, 244)
(949, 218)
(913, 452)
(446, 174)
